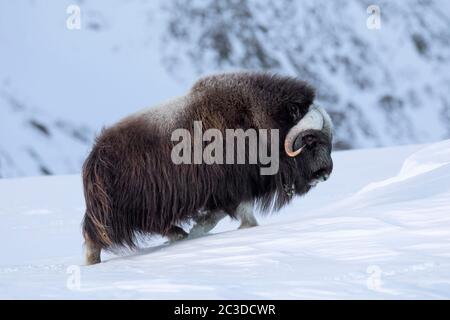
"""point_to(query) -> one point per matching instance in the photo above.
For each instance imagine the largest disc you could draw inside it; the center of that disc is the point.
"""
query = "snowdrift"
(379, 228)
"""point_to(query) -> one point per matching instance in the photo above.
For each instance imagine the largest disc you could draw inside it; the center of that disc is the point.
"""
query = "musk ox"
(133, 187)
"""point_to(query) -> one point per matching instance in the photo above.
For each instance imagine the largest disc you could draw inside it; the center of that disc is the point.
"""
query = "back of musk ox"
(145, 175)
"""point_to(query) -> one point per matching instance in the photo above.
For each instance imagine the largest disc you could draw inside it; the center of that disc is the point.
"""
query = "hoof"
(92, 256)
(248, 225)
(177, 234)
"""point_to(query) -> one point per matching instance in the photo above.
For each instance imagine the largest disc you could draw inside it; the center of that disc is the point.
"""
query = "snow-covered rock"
(378, 228)
(34, 142)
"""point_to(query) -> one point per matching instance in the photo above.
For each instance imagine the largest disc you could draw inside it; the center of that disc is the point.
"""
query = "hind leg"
(244, 213)
(206, 222)
(176, 233)
(92, 252)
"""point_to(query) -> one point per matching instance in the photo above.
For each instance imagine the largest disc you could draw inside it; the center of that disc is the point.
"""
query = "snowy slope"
(382, 87)
(379, 228)
(34, 142)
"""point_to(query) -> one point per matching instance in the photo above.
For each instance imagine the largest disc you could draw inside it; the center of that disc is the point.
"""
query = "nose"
(324, 173)
(321, 174)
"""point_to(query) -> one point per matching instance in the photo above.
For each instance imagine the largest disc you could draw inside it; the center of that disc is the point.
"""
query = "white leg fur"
(244, 213)
(206, 223)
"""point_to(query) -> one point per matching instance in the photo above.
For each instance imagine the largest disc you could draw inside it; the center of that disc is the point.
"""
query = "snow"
(378, 228)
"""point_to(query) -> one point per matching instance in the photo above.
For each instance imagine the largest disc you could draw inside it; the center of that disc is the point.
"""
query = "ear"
(296, 111)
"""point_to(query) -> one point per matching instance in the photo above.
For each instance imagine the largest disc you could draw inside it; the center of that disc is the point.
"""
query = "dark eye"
(309, 140)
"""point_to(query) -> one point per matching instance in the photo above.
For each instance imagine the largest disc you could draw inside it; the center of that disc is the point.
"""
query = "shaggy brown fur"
(132, 187)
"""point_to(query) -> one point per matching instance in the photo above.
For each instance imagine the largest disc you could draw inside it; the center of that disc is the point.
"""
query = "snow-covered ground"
(379, 228)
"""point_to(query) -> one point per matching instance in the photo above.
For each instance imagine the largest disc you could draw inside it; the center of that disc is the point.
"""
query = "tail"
(96, 222)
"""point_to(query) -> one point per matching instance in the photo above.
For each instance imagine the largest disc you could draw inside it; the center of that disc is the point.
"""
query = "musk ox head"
(310, 142)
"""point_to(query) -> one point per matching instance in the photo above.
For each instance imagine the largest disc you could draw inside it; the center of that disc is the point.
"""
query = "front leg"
(244, 213)
(206, 222)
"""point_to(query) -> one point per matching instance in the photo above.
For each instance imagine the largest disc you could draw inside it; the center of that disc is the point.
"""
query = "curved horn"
(327, 124)
(315, 119)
